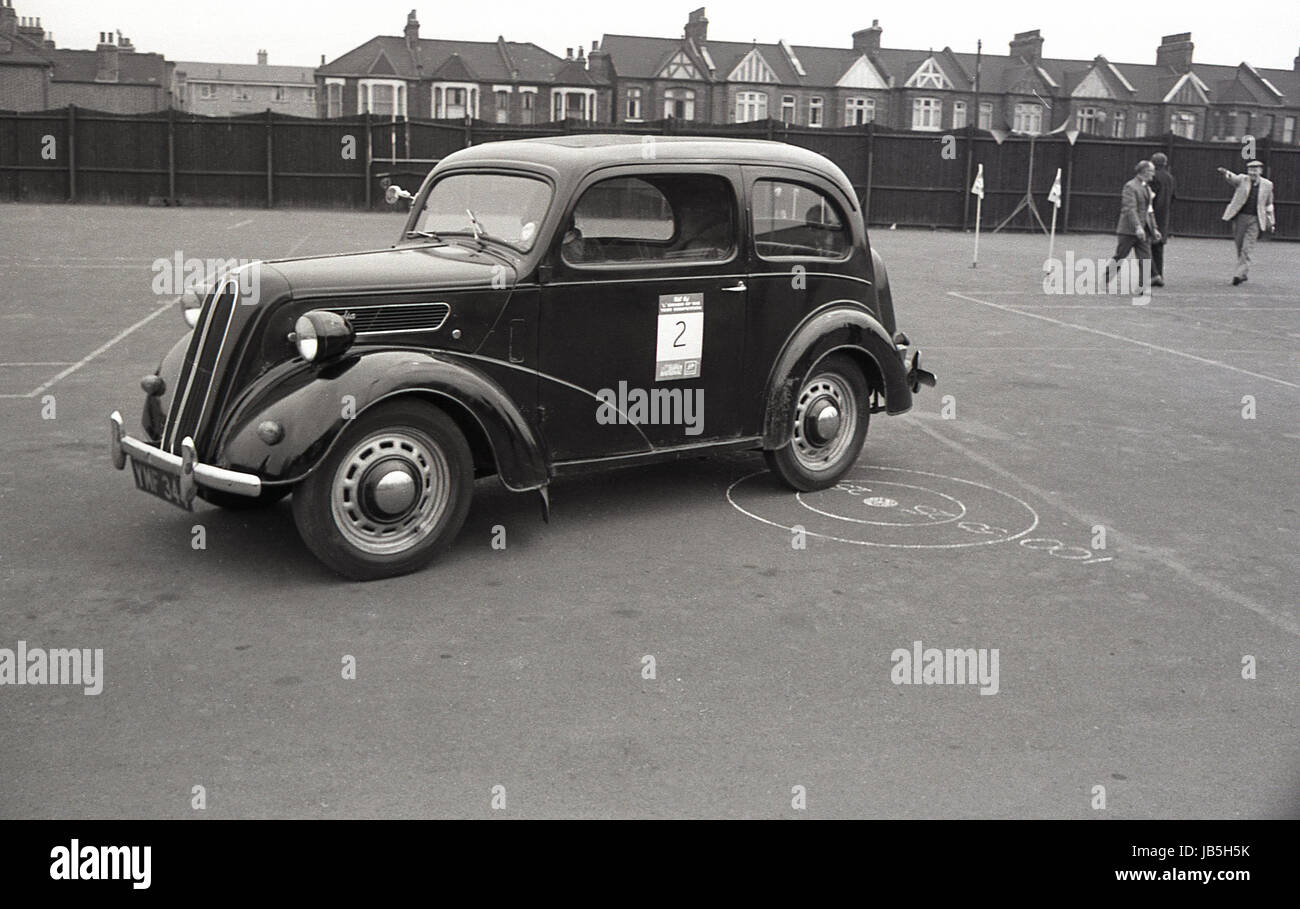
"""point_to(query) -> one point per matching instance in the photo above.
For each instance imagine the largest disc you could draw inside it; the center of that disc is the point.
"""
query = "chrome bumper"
(186, 466)
(911, 357)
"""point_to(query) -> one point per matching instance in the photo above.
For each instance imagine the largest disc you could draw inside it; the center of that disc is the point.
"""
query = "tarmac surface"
(1168, 428)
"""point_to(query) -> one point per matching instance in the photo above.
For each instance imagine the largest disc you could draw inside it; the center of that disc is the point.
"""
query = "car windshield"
(507, 209)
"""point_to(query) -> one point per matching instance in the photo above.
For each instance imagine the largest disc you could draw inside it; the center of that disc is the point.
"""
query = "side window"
(791, 219)
(653, 218)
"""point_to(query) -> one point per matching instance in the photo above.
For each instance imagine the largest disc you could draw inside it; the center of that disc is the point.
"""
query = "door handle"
(736, 288)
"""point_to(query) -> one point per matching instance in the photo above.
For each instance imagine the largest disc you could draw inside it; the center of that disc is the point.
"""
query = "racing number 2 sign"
(681, 337)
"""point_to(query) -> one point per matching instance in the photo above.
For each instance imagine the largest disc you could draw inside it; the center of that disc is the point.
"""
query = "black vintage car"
(553, 306)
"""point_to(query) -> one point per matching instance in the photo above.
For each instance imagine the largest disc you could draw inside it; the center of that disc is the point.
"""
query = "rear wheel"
(392, 493)
(831, 413)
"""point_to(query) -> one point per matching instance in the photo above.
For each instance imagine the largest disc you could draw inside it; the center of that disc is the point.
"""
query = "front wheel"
(393, 492)
(831, 413)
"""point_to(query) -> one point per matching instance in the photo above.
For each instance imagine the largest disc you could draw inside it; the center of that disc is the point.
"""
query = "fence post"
(369, 157)
(965, 189)
(871, 151)
(171, 156)
(469, 131)
(1069, 182)
(72, 153)
(270, 157)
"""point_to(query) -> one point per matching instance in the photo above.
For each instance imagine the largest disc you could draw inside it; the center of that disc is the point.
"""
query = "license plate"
(157, 482)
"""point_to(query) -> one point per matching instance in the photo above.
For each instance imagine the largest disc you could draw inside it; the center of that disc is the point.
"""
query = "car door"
(642, 319)
(804, 251)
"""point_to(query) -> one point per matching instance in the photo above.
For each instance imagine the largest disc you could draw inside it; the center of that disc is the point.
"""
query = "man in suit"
(1136, 227)
(1162, 185)
(1250, 211)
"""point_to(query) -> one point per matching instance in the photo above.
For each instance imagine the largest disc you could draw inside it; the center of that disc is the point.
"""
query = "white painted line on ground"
(49, 363)
(1125, 339)
(1148, 553)
(46, 386)
(240, 224)
(297, 246)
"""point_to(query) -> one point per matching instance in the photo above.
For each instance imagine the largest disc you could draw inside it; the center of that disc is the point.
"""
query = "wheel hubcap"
(390, 491)
(826, 421)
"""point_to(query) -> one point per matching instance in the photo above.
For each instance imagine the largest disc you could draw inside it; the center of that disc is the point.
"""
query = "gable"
(929, 75)
(382, 66)
(1187, 90)
(862, 74)
(1093, 85)
(752, 68)
(679, 66)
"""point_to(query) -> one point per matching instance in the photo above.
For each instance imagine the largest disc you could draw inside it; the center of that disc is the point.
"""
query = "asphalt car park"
(518, 659)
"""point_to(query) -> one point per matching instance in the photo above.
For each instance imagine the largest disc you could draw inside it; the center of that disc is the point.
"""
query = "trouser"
(1139, 247)
(1158, 259)
(1245, 231)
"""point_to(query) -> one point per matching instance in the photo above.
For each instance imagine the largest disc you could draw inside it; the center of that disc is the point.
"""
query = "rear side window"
(791, 219)
(653, 218)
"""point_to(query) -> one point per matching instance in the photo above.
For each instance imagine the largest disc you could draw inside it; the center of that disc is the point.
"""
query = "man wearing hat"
(1250, 211)
(1136, 228)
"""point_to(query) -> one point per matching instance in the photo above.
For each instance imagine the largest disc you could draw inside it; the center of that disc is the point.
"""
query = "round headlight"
(191, 304)
(305, 338)
(322, 335)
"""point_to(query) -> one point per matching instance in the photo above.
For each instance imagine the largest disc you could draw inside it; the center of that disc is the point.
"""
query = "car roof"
(584, 153)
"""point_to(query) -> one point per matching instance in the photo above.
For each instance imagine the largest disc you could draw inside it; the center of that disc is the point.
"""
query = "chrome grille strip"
(181, 424)
(216, 360)
(190, 362)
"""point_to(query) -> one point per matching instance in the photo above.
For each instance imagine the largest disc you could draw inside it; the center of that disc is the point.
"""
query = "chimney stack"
(108, 69)
(697, 26)
(599, 64)
(412, 30)
(1028, 46)
(1175, 51)
(261, 58)
(867, 40)
(8, 18)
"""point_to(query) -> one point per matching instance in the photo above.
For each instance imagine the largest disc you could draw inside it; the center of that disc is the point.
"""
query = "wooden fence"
(905, 178)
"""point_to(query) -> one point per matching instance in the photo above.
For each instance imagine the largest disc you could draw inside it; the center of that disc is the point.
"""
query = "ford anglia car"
(553, 306)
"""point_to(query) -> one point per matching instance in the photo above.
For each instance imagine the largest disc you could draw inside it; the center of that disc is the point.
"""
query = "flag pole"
(1051, 243)
(1054, 196)
(979, 203)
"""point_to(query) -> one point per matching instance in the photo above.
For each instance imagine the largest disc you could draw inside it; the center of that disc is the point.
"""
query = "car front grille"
(395, 317)
(192, 403)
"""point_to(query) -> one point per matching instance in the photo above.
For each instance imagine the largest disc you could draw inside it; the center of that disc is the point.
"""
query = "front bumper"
(911, 357)
(192, 474)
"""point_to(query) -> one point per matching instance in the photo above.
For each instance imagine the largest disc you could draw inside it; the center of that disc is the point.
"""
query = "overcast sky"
(1265, 33)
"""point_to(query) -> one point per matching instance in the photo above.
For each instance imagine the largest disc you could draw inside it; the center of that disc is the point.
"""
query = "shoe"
(1157, 281)
(1237, 279)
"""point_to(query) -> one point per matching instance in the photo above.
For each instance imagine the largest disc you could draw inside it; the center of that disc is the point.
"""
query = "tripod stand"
(1028, 200)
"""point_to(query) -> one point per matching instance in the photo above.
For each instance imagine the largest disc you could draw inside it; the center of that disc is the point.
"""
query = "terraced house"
(696, 78)
(500, 81)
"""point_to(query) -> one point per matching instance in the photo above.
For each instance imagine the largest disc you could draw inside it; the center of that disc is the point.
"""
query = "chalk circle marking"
(920, 522)
(824, 536)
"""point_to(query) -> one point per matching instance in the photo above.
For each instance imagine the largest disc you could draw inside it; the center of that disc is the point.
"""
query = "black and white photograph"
(578, 410)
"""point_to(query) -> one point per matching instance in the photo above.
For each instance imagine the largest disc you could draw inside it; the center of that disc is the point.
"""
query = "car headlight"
(321, 335)
(190, 304)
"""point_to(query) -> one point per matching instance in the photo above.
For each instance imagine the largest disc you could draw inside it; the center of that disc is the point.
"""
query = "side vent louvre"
(395, 317)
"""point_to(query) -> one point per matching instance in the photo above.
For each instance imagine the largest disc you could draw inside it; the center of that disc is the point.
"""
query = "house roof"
(245, 73)
(485, 61)
(643, 57)
(16, 50)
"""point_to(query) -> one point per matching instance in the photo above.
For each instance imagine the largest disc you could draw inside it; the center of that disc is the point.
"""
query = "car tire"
(231, 501)
(391, 494)
(831, 413)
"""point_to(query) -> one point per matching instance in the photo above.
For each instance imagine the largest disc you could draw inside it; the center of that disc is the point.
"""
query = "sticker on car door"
(681, 337)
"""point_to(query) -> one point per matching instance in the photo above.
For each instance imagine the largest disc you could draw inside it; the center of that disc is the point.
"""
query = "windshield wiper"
(428, 234)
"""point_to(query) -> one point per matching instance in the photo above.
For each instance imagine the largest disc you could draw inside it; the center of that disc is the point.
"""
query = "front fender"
(310, 403)
(843, 325)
